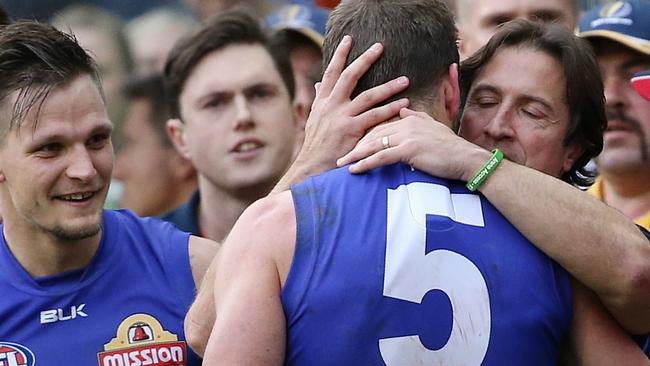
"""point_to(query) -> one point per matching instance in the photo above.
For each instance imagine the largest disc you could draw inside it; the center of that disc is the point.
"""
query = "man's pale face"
(517, 104)
(239, 122)
(149, 57)
(628, 114)
(54, 177)
(483, 18)
(143, 164)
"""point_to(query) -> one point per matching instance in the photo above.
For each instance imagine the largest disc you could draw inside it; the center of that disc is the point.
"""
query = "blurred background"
(44, 9)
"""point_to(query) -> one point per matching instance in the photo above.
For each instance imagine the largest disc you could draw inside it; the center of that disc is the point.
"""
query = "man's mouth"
(618, 120)
(76, 197)
(617, 125)
(247, 146)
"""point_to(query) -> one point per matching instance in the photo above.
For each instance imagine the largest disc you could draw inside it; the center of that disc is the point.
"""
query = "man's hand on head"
(337, 121)
(420, 141)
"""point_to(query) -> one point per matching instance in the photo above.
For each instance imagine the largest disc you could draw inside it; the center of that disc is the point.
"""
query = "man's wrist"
(473, 160)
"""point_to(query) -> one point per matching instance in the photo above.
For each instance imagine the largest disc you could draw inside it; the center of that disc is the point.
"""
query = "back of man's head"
(34, 59)
(226, 29)
(419, 39)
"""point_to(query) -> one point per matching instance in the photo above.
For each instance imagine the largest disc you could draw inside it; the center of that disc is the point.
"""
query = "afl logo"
(619, 9)
(12, 354)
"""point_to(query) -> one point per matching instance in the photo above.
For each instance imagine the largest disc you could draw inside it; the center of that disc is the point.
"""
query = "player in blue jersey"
(80, 285)
(395, 266)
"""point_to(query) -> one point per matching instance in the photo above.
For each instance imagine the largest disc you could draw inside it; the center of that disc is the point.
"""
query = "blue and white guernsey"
(395, 267)
(126, 308)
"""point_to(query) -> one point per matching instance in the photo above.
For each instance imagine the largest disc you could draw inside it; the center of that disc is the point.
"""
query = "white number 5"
(410, 274)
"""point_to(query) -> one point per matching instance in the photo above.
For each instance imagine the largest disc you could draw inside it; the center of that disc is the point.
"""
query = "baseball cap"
(641, 82)
(307, 20)
(625, 22)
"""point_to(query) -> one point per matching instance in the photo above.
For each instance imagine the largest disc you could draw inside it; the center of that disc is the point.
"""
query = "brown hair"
(584, 86)
(34, 59)
(233, 27)
(419, 39)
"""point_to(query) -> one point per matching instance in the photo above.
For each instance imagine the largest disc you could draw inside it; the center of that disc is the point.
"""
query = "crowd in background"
(204, 126)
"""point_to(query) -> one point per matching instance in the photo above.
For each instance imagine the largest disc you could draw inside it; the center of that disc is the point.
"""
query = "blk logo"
(58, 315)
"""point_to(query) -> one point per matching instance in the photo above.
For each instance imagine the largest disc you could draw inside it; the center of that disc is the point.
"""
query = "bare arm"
(595, 243)
(250, 326)
(200, 317)
(595, 338)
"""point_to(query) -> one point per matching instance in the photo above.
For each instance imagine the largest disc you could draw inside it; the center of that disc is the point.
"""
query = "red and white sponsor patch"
(164, 354)
(141, 341)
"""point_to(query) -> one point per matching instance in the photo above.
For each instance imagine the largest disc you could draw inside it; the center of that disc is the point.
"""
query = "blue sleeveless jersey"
(126, 308)
(395, 267)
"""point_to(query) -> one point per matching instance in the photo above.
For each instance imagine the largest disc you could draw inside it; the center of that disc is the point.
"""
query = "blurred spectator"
(230, 99)
(300, 30)
(101, 34)
(4, 17)
(479, 19)
(204, 9)
(155, 177)
(44, 10)
(620, 34)
(152, 35)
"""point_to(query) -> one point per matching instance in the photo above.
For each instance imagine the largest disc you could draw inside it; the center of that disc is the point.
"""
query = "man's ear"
(451, 92)
(2, 172)
(300, 115)
(571, 155)
(176, 133)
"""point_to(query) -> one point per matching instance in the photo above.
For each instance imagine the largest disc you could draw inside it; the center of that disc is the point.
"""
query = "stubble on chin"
(76, 234)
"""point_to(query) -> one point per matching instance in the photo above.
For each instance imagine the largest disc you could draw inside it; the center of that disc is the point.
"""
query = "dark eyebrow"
(261, 85)
(484, 88)
(530, 98)
(103, 127)
(548, 14)
(493, 89)
(495, 19)
(106, 127)
(634, 62)
(212, 95)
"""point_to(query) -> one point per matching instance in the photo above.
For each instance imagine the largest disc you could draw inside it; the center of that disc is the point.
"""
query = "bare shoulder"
(267, 228)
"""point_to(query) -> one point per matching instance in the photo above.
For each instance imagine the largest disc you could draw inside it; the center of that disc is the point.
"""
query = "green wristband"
(485, 171)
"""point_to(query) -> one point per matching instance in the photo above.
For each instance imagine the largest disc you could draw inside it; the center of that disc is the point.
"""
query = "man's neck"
(41, 254)
(628, 193)
(220, 209)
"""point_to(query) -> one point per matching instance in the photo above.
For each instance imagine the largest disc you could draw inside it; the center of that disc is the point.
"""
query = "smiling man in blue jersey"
(80, 285)
(396, 267)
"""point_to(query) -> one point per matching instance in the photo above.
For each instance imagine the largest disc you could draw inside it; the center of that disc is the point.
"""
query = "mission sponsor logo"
(13, 354)
(142, 341)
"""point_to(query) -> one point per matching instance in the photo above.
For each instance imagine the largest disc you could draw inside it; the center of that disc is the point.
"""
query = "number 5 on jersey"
(410, 274)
